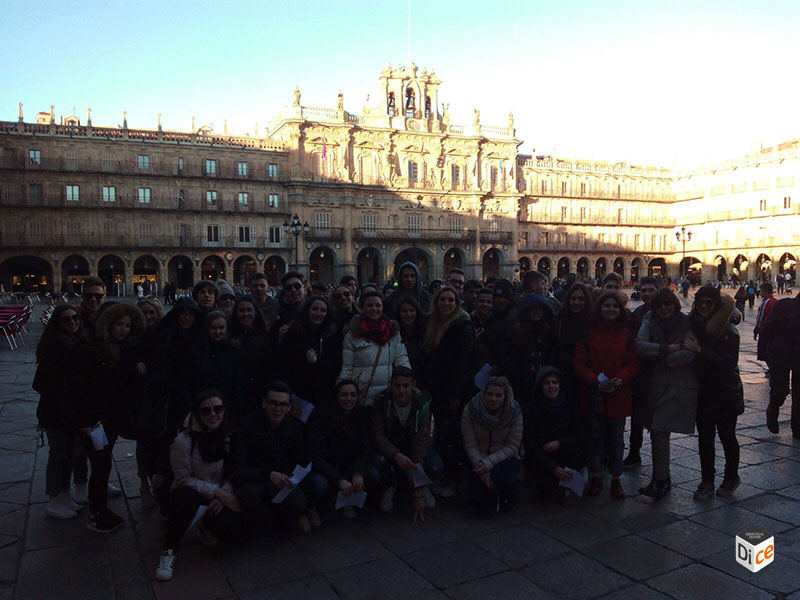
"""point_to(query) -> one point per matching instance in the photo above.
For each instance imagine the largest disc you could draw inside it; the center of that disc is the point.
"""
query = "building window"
(145, 230)
(179, 164)
(72, 160)
(493, 176)
(370, 221)
(543, 187)
(390, 104)
(653, 242)
(620, 240)
(582, 239)
(181, 198)
(583, 213)
(619, 191)
(143, 161)
(583, 189)
(109, 193)
(211, 167)
(494, 225)
(272, 170)
(601, 238)
(412, 172)
(35, 193)
(243, 199)
(564, 239)
(211, 198)
(73, 193)
(109, 228)
(762, 204)
(563, 213)
(35, 157)
(564, 188)
(636, 241)
(212, 233)
(144, 195)
(454, 223)
(620, 214)
(544, 238)
(274, 235)
(455, 175)
(108, 162)
(787, 202)
(413, 223)
(322, 221)
(244, 235)
(272, 200)
(74, 228)
(241, 169)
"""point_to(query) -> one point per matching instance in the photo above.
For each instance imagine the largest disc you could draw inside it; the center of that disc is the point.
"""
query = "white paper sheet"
(576, 484)
(482, 376)
(304, 408)
(98, 437)
(419, 477)
(298, 475)
(201, 510)
(356, 499)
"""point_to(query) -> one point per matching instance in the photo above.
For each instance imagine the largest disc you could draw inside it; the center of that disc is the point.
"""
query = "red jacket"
(609, 350)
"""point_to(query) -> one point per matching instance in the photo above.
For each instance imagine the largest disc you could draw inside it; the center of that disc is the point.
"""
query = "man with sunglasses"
(290, 304)
(92, 297)
(259, 288)
(343, 307)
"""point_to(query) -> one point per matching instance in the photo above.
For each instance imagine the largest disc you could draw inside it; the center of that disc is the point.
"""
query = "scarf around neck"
(479, 412)
(378, 331)
(210, 444)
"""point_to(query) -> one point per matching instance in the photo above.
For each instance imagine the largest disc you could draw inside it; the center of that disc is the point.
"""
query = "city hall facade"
(370, 189)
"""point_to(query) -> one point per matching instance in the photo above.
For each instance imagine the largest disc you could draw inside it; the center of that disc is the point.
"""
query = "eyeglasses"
(227, 299)
(280, 405)
(296, 286)
(73, 318)
(93, 296)
(217, 409)
(341, 295)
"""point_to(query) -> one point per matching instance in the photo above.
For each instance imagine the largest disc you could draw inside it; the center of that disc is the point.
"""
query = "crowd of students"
(216, 393)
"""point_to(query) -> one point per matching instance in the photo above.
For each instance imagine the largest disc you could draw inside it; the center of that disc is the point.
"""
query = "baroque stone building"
(396, 182)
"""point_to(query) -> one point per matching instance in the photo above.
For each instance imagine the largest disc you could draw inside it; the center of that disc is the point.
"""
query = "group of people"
(250, 412)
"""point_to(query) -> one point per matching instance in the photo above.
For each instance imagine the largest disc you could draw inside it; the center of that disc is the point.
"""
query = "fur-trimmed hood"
(719, 320)
(114, 312)
(355, 327)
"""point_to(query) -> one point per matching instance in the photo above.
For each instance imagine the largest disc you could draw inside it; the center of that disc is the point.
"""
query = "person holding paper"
(107, 381)
(554, 434)
(339, 446)
(402, 437)
(199, 457)
(265, 449)
(311, 353)
(608, 352)
(491, 426)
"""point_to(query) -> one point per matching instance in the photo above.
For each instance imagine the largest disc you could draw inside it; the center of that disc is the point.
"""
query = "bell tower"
(409, 98)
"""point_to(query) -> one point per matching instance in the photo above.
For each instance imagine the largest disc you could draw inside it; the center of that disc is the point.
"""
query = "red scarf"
(378, 331)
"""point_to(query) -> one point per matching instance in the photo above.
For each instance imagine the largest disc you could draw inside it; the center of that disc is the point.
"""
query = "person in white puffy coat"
(371, 349)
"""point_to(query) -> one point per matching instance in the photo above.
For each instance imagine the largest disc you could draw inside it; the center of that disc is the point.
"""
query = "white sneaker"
(57, 510)
(81, 493)
(387, 499)
(113, 491)
(66, 499)
(166, 564)
(430, 501)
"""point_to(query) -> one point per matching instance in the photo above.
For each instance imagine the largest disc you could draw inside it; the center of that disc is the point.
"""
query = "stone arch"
(212, 268)
(274, 269)
(657, 268)
(740, 267)
(369, 265)
(686, 266)
(321, 262)
(563, 266)
(619, 267)
(544, 264)
(787, 264)
(180, 271)
(637, 268)
(600, 267)
(721, 265)
(26, 273)
(454, 258)
(243, 267)
(764, 267)
(492, 262)
(111, 269)
(145, 271)
(582, 267)
(420, 257)
(74, 270)
(524, 265)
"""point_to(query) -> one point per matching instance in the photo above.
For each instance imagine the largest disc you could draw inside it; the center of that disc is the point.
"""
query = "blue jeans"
(504, 479)
(387, 471)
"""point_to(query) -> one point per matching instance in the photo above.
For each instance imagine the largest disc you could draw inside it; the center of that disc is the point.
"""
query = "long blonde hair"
(437, 323)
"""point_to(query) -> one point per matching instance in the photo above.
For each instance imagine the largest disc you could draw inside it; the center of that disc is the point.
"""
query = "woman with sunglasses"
(199, 457)
(605, 362)
(249, 329)
(670, 402)
(55, 356)
(720, 399)
(343, 307)
(311, 353)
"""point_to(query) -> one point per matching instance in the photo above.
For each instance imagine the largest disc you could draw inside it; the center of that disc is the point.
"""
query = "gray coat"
(670, 402)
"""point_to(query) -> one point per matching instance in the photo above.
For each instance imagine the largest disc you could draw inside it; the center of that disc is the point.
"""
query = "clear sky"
(644, 81)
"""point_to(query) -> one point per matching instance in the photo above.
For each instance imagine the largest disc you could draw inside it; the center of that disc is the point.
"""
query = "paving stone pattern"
(632, 550)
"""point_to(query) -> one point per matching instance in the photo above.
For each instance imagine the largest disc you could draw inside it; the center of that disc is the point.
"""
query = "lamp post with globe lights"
(296, 228)
(683, 236)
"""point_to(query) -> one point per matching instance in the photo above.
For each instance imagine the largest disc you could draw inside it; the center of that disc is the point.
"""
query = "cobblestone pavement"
(636, 549)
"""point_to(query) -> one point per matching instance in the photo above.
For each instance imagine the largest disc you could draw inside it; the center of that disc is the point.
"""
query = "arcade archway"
(212, 268)
(243, 267)
(418, 257)
(26, 274)
(111, 269)
(562, 268)
(180, 272)
(491, 264)
(74, 270)
(320, 265)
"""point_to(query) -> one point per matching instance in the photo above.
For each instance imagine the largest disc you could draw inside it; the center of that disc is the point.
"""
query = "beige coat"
(490, 446)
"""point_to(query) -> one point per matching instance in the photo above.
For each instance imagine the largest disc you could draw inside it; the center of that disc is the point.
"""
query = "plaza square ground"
(631, 550)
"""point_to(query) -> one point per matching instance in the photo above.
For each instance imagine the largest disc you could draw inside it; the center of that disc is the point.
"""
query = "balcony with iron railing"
(324, 234)
(496, 237)
(405, 234)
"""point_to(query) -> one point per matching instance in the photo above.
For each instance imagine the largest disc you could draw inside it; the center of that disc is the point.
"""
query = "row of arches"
(597, 268)
(740, 268)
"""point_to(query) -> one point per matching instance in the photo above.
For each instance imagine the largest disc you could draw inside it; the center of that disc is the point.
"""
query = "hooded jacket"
(491, 445)
(421, 295)
(360, 354)
(520, 356)
(51, 381)
(390, 436)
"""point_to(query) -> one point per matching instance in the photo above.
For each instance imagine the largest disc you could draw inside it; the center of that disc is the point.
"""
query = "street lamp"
(683, 236)
(296, 228)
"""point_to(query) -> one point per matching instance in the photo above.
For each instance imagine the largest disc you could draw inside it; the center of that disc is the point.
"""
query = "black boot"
(772, 418)
(656, 489)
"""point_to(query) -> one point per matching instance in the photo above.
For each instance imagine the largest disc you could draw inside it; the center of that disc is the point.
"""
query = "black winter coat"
(520, 357)
(494, 330)
(339, 443)
(543, 426)
(448, 371)
(258, 449)
(779, 335)
(311, 382)
(221, 367)
(257, 361)
(52, 382)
